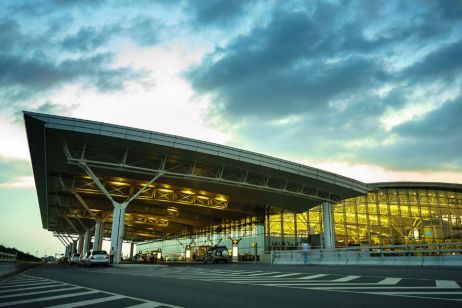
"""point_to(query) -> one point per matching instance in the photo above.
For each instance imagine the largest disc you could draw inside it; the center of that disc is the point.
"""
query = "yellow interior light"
(117, 183)
(189, 192)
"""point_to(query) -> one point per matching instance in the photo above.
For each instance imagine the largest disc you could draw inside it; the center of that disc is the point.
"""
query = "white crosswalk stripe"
(26, 289)
(389, 280)
(38, 292)
(391, 286)
(346, 278)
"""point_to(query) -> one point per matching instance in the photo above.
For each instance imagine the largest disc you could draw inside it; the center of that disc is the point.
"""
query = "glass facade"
(388, 216)
(248, 231)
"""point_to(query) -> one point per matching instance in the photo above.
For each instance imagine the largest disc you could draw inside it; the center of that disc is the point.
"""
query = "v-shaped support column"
(118, 218)
(117, 231)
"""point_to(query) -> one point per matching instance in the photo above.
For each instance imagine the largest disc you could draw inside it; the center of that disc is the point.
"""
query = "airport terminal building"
(178, 197)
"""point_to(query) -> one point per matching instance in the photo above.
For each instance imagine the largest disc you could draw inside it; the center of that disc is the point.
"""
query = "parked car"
(74, 259)
(217, 254)
(172, 258)
(97, 257)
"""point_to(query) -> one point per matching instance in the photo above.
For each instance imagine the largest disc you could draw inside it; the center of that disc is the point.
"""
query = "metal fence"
(7, 263)
(441, 254)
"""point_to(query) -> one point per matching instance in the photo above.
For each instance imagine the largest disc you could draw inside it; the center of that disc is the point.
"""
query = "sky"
(367, 89)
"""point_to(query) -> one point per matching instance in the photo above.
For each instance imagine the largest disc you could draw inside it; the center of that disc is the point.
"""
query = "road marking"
(147, 305)
(262, 274)
(390, 281)
(89, 302)
(146, 302)
(16, 281)
(415, 295)
(31, 288)
(5, 289)
(412, 293)
(382, 285)
(446, 284)
(246, 272)
(41, 299)
(287, 275)
(313, 276)
(372, 288)
(39, 292)
(346, 278)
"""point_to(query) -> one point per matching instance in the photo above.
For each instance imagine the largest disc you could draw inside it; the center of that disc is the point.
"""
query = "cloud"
(47, 7)
(284, 67)
(445, 62)
(443, 124)
(15, 173)
(24, 76)
(338, 68)
(89, 38)
(221, 13)
(143, 30)
(9, 34)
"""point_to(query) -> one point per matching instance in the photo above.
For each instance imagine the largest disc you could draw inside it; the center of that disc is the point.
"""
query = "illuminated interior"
(386, 217)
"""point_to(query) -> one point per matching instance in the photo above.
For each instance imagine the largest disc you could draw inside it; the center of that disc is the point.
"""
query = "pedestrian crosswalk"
(26, 289)
(389, 286)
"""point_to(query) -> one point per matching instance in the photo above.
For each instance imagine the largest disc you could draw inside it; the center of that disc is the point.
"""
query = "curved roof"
(420, 185)
(202, 183)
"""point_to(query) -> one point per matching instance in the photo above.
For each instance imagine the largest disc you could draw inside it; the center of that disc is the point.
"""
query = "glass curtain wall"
(385, 217)
(249, 231)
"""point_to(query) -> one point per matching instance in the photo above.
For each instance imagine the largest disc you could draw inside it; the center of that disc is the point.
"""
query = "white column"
(86, 241)
(68, 249)
(117, 232)
(81, 239)
(328, 220)
(260, 237)
(73, 247)
(99, 232)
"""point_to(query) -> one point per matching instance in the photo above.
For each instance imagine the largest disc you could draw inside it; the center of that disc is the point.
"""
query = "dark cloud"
(283, 68)
(37, 8)
(221, 13)
(445, 62)
(448, 10)
(317, 79)
(22, 78)
(47, 107)
(9, 34)
(442, 123)
(89, 38)
(40, 73)
(145, 31)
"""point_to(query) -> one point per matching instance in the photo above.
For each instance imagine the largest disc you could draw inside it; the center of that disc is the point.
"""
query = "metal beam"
(170, 174)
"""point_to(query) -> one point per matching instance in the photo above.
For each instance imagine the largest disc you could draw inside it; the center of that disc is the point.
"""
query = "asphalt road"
(232, 285)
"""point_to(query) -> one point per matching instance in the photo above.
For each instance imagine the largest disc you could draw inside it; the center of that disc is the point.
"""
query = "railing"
(7, 263)
(7, 257)
(412, 254)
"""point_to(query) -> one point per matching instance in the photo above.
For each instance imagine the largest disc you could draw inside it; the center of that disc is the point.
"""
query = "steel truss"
(172, 167)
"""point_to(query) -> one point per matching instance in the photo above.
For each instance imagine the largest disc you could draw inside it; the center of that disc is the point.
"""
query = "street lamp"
(46, 250)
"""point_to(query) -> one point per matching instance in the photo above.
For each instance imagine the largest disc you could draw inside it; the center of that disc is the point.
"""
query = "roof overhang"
(419, 185)
(201, 184)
